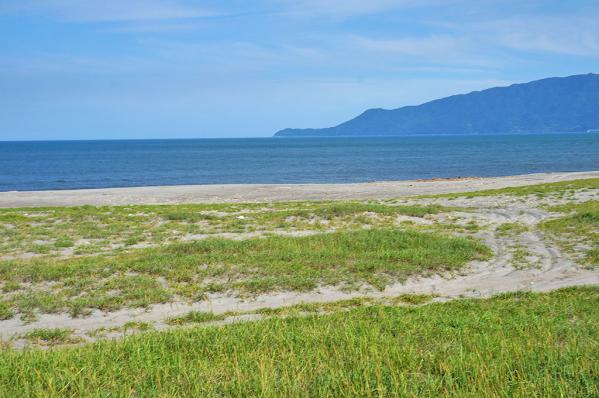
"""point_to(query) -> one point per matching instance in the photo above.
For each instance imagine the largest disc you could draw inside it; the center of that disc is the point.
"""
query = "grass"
(6, 312)
(195, 317)
(413, 299)
(375, 257)
(199, 317)
(559, 188)
(51, 336)
(511, 229)
(521, 258)
(63, 243)
(517, 345)
(323, 308)
(94, 230)
(579, 227)
(138, 326)
(317, 308)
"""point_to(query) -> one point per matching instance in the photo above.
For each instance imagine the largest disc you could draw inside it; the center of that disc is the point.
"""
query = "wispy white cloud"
(106, 10)
(430, 46)
(567, 34)
(151, 27)
(347, 8)
(449, 53)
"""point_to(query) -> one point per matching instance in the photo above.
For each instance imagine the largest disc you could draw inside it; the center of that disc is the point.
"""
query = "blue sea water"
(98, 164)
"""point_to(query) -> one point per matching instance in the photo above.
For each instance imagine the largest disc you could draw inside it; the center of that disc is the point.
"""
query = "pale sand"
(273, 192)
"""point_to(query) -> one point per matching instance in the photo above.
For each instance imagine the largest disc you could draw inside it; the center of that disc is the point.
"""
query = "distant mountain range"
(557, 104)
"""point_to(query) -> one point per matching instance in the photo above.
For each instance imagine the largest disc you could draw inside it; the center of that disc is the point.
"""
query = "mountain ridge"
(550, 105)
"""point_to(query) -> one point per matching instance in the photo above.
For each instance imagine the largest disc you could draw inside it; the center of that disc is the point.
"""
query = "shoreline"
(237, 193)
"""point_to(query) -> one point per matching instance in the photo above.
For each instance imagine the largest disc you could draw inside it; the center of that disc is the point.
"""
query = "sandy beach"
(275, 192)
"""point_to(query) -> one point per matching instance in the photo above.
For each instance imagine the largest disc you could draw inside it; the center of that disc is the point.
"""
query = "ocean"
(124, 163)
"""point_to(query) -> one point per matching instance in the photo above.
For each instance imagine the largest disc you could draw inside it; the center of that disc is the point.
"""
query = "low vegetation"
(578, 231)
(199, 317)
(195, 317)
(517, 344)
(51, 337)
(511, 229)
(561, 188)
(84, 230)
(375, 257)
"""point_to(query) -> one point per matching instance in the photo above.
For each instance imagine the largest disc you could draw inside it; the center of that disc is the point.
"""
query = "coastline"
(236, 193)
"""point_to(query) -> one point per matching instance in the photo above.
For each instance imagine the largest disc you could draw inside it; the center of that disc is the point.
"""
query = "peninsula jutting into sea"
(552, 105)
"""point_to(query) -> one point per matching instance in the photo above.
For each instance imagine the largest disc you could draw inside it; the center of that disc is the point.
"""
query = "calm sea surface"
(98, 164)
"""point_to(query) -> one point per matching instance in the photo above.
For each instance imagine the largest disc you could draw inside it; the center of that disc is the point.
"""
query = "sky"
(120, 69)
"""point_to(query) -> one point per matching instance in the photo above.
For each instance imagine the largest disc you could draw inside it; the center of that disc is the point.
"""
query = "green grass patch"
(315, 308)
(511, 229)
(413, 299)
(376, 257)
(560, 188)
(10, 286)
(139, 326)
(521, 258)
(63, 243)
(51, 336)
(579, 227)
(111, 228)
(195, 317)
(516, 345)
(6, 312)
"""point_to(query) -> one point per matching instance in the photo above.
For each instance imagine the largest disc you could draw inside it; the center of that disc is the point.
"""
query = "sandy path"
(274, 192)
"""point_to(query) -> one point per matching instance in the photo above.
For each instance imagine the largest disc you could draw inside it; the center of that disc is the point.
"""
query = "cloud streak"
(348, 8)
(107, 10)
(567, 34)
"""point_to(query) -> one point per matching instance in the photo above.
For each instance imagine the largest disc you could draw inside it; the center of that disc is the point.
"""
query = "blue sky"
(95, 69)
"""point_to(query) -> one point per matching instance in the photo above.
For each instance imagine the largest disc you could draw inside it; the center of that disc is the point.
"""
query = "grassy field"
(84, 230)
(77, 259)
(351, 259)
(520, 345)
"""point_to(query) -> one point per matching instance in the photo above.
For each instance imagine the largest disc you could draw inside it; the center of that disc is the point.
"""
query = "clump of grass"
(592, 256)
(41, 249)
(136, 325)
(413, 299)
(581, 226)
(187, 215)
(132, 240)
(517, 345)
(341, 305)
(51, 336)
(63, 243)
(195, 317)
(338, 209)
(6, 311)
(511, 229)
(521, 258)
(472, 226)
(78, 295)
(315, 308)
(10, 286)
